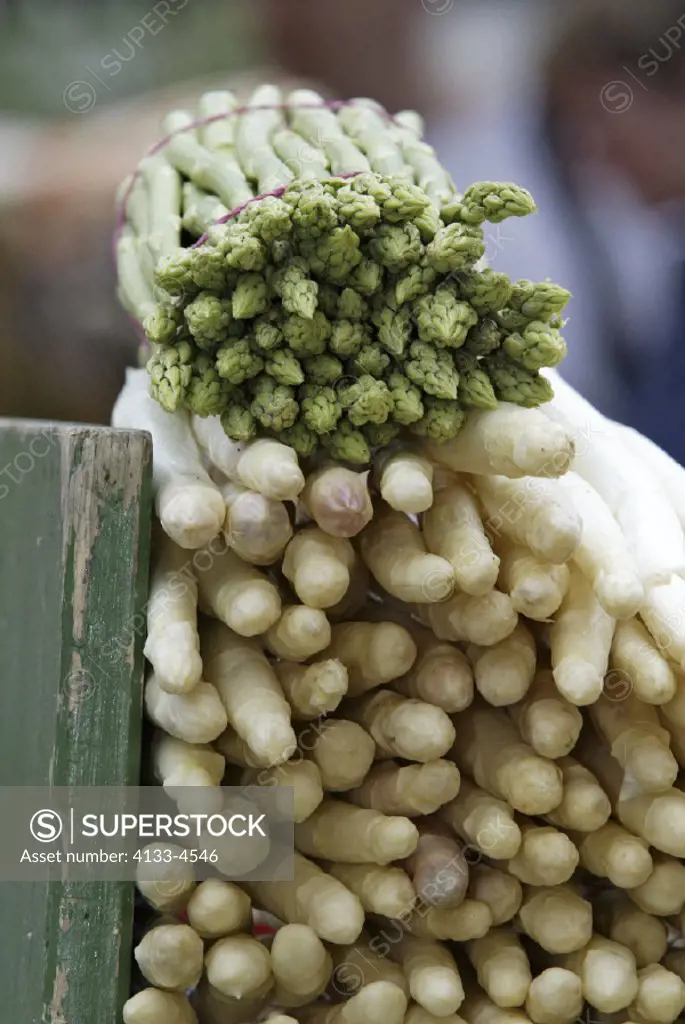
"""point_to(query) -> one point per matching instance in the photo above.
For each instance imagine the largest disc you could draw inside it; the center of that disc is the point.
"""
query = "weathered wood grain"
(75, 508)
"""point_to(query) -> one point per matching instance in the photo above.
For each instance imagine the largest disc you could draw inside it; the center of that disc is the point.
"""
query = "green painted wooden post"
(75, 509)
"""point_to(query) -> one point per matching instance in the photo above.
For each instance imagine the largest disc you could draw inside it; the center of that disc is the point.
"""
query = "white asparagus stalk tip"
(394, 550)
(217, 908)
(342, 751)
(381, 890)
(546, 856)
(441, 674)
(642, 667)
(373, 653)
(190, 773)
(503, 672)
(502, 893)
(250, 693)
(502, 967)
(536, 588)
(355, 835)
(603, 555)
(483, 821)
(607, 972)
(188, 504)
(433, 976)
(405, 481)
(152, 1006)
(338, 500)
(301, 965)
(453, 529)
(318, 566)
(196, 717)
(171, 956)
(584, 806)
(299, 633)
(257, 528)
(312, 690)
(403, 727)
(532, 511)
(660, 996)
(172, 645)
(491, 752)
(509, 440)
(302, 776)
(613, 853)
(239, 966)
(580, 642)
(479, 620)
(439, 866)
(557, 918)
(546, 721)
(555, 996)
(409, 790)
(237, 593)
(637, 741)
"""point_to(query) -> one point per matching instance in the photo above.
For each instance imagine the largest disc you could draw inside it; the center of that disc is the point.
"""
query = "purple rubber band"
(245, 109)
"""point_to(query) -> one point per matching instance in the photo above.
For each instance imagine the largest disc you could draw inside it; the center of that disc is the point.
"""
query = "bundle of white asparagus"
(469, 665)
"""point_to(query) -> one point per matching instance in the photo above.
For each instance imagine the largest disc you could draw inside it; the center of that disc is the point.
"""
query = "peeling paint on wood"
(75, 522)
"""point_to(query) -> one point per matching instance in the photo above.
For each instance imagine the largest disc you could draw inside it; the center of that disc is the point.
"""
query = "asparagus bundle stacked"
(468, 660)
(346, 307)
(470, 668)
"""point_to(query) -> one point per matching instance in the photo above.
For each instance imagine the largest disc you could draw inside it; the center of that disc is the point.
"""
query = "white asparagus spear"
(584, 806)
(603, 555)
(490, 750)
(264, 465)
(338, 500)
(152, 1006)
(532, 511)
(663, 891)
(318, 566)
(403, 727)
(172, 645)
(239, 966)
(669, 473)
(217, 908)
(645, 670)
(617, 917)
(314, 898)
(355, 835)
(503, 672)
(405, 481)
(580, 643)
(546, 856)
(502, 967)
(188, 504)
(237, 593)
(662, 613)
(632, 492)
(377, 1001)
(480, 620)
(483, 821)
(614, 853)
(394, 550)
(183, 767)
(373, 653)
(660, 997)
(299, 633)
(536, 588)
(196, 717)
(312, 690)
(257, 528)
(433, 976)
(555, 996)
(410, 790)
(500, 891)
(607, 971)
(250, 693)
(302, 776)
(548, 722)
(381, 890)
(342, 751)
(509, 440)
(163, 878)
(636, 739)
(441, 674)
(301, 965)
(170, 956)
(453, 528)
(557, 918)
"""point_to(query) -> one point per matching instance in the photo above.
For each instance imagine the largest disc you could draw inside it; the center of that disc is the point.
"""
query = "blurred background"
(582, 103)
